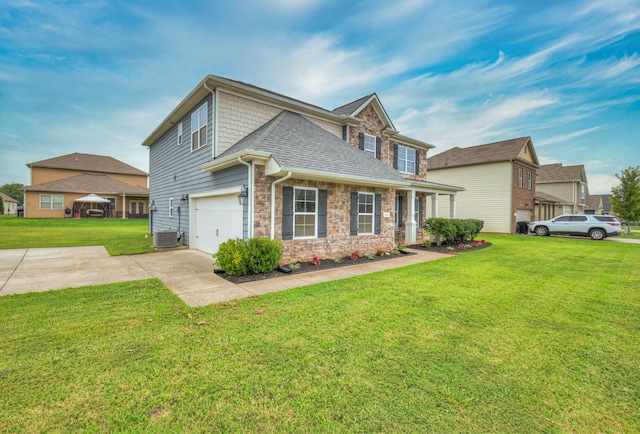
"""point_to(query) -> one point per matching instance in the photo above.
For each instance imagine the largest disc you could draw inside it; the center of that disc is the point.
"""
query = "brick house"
(236, 161)
(57, 182)
(499, 180)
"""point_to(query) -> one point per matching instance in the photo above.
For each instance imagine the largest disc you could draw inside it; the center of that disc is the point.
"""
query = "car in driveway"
(597, 227)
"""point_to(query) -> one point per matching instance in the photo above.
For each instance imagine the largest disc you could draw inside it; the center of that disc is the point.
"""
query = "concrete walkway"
(188, 273)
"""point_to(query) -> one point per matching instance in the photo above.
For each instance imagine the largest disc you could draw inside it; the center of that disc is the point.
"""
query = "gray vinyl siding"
(174, 170)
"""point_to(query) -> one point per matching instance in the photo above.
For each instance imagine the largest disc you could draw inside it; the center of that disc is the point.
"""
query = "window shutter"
(395, 156)
(378, 147)
(322, 213)
(417, 162)
(361, 141)
(400, 198)
(287, 213)
(377, 216)
(420, 216)
(353, 225)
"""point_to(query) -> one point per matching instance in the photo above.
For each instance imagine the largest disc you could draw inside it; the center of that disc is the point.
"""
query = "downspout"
(251, 196)
(214, 116)
(273, 203)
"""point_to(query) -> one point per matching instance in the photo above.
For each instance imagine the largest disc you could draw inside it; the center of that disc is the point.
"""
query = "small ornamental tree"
(625, 197)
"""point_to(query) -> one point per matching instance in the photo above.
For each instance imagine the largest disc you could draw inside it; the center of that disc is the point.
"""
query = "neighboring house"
(566, 182)
(236, 161)
(499, 180)
(10, 204)
(548, 206)
(56, 183)
(606, 205)
(594, 204)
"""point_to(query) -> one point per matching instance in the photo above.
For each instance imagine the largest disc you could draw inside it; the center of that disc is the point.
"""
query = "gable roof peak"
(506, 150)
(88, 162)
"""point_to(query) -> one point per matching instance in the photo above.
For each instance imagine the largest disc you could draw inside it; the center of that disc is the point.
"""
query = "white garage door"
(217, 219)
(523, 215)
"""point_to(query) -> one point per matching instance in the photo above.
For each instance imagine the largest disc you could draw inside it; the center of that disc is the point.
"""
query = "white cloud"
(565, 137)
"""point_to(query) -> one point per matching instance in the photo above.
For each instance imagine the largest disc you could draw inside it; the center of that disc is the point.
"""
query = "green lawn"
(535, 334)
(120, 237)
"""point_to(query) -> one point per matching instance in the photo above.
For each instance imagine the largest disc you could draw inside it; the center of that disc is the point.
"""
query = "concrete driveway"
(188, 273)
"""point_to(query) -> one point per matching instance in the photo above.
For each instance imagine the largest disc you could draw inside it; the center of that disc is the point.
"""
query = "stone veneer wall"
(338, 242)
(371, 124)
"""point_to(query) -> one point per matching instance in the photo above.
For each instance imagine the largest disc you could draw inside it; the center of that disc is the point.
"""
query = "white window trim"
(200, 127)
(407, 160)
(170, 207)
(51, 196)
(372, 213)
(370, 138)
(180, 134)
(520, 177)
(315, 214)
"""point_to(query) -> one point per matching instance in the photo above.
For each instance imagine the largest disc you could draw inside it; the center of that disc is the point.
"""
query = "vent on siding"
(164, 239)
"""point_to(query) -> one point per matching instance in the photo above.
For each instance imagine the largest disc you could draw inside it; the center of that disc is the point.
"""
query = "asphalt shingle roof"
(351, 107)
(6, 198)
(558, 173)
(506, 150)
(296, 143)
(89, 183)
(89, 163)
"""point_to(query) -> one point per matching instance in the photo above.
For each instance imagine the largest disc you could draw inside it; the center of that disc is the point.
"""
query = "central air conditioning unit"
(165, 239)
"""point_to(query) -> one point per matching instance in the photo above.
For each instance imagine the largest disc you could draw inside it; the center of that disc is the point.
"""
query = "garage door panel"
(217, 219)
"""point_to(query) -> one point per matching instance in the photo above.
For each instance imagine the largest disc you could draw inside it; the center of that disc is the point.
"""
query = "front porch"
(413, 206)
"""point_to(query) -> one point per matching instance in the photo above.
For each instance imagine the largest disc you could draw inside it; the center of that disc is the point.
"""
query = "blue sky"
(98, 76)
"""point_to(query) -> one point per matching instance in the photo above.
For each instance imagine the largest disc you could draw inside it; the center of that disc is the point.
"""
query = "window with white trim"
(199, 128)
(170, 207)
(406, 159)
(530, 180)
(370, 144)
(180, 134)
(51, 201)
(305, 212)
(365, 213)
(520, 171)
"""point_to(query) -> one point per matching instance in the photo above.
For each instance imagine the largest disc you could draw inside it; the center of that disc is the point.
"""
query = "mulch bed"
(327, 264)
(445, 248)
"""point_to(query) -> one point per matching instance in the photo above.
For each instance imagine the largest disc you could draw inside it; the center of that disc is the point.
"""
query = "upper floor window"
(51, 201)
(583, 194)
(199, 127)
(530, 180)
(304, 213)
(520, 176)
(180, 133)
(406, 160)
(370, 144)
(170, 207)
(365, 213)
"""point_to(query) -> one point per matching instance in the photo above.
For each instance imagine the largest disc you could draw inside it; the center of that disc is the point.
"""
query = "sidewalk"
(188, 273)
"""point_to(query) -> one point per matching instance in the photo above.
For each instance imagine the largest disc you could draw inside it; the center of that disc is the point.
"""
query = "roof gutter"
(214, 96)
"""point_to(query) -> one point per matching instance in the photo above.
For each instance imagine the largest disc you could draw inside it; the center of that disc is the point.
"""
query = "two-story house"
(57, 183)
(566, 183)
(233, 160)
(499, 180)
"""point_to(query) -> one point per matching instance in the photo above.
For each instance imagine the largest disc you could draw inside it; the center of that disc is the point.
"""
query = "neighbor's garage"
(217, 219)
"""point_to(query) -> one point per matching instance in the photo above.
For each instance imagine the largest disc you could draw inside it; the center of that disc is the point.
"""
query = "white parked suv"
(597, 227)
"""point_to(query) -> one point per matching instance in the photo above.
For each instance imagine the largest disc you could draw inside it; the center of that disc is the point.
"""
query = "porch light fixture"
(184, 199)
(243, 196)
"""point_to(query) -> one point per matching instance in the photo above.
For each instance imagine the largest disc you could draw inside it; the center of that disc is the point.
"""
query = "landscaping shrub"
(264, 254)
(453, 231)
(237, 257)
(233, 257)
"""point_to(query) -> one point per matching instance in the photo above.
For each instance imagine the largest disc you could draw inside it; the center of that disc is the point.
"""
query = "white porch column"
(410, 225)
(124, 205)
(452, 206)
(434, 205)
